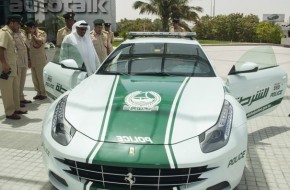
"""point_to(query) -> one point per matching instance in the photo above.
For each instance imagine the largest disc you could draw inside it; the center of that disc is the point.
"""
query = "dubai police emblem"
(142, 101)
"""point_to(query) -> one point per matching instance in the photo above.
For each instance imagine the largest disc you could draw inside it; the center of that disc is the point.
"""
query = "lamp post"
(213, 12)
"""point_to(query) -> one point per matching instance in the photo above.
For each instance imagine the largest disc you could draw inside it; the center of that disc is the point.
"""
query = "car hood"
(144, 109)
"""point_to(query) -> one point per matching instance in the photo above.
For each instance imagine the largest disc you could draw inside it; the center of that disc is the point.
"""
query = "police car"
(155, 115)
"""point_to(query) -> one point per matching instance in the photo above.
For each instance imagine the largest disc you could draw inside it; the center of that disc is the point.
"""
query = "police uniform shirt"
(21, 45)
(61, 33)
(111, 36)
(101, 44)
(111, 40)
(36, 50)
(7, 41)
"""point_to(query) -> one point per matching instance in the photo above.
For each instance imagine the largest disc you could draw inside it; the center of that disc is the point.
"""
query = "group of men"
(20, 50)
(88, 48)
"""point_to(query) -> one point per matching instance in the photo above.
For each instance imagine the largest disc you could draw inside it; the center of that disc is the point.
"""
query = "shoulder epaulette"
(61, 29)
(105, 32)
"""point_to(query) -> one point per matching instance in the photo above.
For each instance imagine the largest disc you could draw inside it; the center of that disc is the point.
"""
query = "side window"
(68, 51)
(263, 56)
(55, 58)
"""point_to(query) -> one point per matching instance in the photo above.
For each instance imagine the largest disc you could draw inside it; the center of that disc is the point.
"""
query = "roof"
(161, 40)
(190, 35)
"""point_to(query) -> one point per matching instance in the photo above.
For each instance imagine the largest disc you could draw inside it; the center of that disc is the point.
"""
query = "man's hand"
(5, 66)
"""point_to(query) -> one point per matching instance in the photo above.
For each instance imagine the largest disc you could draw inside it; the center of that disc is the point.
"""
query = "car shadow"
(34, 106)
(39, 185)
(19, 123)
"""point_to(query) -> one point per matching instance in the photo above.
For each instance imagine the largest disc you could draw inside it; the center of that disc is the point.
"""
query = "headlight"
(61, 131)
(218, 136)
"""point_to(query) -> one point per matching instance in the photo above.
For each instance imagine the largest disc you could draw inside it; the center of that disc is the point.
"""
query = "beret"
(99, 22)
(31, 23)
(69, 15)
(15, 18)
(107, 24)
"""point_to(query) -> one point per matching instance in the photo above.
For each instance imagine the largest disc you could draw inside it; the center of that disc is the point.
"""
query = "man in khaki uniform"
(61, 33)
(176, 26)
(100, 40)
(8, 69)
(110, 35)
(22, 62)
(37, 39)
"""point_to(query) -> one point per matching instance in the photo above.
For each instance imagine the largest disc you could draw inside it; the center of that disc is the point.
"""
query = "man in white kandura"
(78, 46)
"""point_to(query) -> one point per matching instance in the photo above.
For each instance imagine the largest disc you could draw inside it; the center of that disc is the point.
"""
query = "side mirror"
(71, 64)
(247, 67)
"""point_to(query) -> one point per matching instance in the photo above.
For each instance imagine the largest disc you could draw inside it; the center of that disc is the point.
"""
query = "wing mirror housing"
(248, 67)
(71, 64)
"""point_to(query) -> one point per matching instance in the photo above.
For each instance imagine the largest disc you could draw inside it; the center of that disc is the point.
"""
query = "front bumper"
(69, 168)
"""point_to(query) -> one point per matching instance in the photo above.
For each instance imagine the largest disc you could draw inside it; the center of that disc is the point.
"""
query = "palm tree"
(168, 9)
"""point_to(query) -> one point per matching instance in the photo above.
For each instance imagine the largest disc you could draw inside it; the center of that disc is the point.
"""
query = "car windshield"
(158, 59)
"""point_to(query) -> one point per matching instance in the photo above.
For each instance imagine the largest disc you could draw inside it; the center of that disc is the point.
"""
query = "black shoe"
(22, 105)
(25, 101)
(21, 112)
(36, 97)
(42, 97)
(13, 117)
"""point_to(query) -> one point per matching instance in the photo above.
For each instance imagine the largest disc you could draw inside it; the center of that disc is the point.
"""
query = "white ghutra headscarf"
(84, 45)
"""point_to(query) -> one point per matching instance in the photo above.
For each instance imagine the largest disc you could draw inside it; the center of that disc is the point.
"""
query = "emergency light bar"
(190, 35)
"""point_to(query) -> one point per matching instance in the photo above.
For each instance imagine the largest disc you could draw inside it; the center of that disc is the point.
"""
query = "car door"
(257, 82)
(60, 77)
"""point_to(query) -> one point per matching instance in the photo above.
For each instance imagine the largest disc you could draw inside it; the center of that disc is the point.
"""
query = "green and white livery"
(153, 116)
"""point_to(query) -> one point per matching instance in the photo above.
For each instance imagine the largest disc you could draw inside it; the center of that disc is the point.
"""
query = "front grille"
(156, 178)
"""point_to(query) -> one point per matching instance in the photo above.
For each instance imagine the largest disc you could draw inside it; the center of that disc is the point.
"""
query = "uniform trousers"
(10, 94)
(22, 72)
(37, 79)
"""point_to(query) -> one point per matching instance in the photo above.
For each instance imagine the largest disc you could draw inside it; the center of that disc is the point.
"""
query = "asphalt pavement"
(268, 155)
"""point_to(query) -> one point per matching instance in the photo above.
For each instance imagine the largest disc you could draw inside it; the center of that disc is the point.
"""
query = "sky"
(257, 7)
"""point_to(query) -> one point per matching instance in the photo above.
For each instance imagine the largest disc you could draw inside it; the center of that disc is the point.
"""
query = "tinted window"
(158, 59)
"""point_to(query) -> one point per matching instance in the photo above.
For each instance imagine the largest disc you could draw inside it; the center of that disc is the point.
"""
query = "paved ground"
(268, 158)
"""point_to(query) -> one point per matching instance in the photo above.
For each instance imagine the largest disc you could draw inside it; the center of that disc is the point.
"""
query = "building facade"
(47, 13)
(20, 7)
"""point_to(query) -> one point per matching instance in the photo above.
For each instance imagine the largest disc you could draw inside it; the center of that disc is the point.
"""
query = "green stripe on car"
(103, 122)
(134, 124)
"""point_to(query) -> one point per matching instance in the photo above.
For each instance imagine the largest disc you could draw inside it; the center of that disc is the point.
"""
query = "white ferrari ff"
(154, 116)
